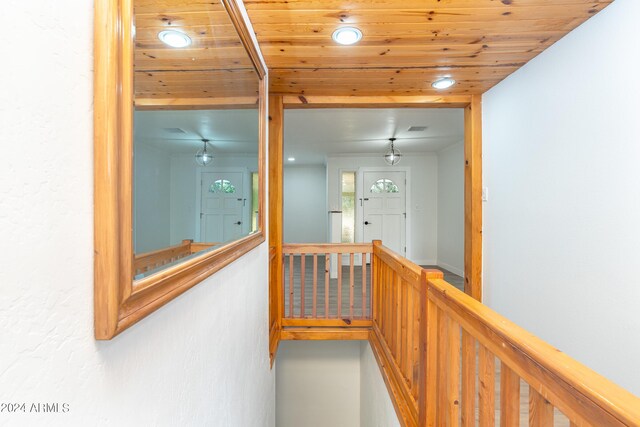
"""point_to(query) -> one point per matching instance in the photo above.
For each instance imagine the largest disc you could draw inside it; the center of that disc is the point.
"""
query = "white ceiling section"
(229, 131)
(311, 135)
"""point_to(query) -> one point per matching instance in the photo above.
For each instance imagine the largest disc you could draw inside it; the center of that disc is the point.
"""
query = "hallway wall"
(200, 360)
(451, 208)
(305, 204)
(561, 230)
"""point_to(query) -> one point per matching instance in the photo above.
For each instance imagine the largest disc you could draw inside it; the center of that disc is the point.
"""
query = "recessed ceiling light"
(174, 38)
(444, 83)
(347, 35)
(291, 159)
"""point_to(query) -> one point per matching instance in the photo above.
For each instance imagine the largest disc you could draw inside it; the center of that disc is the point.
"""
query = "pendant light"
(393, 156)
(204, 157)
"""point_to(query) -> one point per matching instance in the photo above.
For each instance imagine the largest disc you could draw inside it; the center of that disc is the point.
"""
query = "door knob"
(367, 223)
(238, 223)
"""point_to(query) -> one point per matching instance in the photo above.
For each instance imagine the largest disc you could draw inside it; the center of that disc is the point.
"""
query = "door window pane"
(384, 186)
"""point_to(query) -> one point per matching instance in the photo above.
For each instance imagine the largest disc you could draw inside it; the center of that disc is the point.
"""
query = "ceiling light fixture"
(393, 156)
(291, 159)
(347, 35)
(203, 157)
(443, 83)
(174, 38)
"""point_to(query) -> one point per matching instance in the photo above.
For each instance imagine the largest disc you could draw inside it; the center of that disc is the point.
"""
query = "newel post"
(428, 356)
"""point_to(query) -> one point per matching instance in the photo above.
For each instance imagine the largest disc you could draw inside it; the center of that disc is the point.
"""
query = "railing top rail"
(179, 247)
(326, 248)
(576, 390)
(407, 269)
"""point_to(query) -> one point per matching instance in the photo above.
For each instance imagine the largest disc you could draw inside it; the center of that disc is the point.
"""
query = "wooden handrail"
(150, 260)
(304, 281)
(326, 248)
(586, 397)
(437, 348)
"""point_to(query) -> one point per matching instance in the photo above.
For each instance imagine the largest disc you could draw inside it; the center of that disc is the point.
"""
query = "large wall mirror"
(180, 127)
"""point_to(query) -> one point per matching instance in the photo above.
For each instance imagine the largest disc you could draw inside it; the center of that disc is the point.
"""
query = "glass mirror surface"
(196, 133)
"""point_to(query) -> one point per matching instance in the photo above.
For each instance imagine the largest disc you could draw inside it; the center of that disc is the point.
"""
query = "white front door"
(384, 208)
(221, 206)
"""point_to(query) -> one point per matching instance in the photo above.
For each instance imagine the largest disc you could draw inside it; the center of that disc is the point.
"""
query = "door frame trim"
(472, 105)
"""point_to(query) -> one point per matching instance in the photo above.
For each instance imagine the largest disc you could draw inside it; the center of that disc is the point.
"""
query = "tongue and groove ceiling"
(406, 45)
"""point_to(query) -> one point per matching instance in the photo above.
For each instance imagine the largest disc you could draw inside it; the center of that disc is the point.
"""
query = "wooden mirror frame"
(120, 301)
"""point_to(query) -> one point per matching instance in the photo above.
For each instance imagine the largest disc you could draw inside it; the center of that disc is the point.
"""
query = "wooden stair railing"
(443, 355)
(147, 261)
(311, 298)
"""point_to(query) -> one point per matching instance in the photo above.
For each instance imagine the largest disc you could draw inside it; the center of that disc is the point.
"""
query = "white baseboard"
(424, 261)
(451, 268)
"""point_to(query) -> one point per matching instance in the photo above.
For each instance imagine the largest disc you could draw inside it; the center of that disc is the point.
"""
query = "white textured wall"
(376, 408)
(305, 204)
(451, 208)
(561, 160)
(318, 384)
(422, 241)
(201, 360)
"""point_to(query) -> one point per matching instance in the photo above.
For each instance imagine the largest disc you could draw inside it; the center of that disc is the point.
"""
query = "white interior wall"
(422, 240)
(200, 360)
(318, 384)
(561, 230)
(305, 204)
(152, 177)
(451, 208)
(376, 408)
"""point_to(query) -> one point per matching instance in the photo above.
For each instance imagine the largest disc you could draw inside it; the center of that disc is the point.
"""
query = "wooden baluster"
(540, 410)
(428, 387)
(371, 299)
(403, 348)
(443, 351)
(339, 257)
(486, 376)
(327, 265)
(364, 285)
(315, 286)
(303, 258)
(397, 330)
(509, 397)
(290, 285)
(351, 284)
(453, 374)
(416, 320)
(409, 346)
(284, 286)
(468, 380)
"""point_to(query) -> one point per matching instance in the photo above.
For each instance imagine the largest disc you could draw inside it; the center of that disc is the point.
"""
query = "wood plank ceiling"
(215, 66)
(407, 44)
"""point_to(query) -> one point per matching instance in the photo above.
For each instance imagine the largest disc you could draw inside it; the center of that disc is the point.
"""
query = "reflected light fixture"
(291, 159)
(203, 157)
(174, 38)
(347, 35)
(443, 83)
(393, 156)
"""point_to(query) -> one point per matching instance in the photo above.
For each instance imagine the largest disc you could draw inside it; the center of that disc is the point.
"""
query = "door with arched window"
(222, 205)
(384, 208)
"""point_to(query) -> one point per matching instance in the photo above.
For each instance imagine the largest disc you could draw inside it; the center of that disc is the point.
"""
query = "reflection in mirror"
(196, 126)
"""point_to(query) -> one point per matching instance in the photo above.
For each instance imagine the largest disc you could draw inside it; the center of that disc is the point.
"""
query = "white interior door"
(384, 208)
(222, 204)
